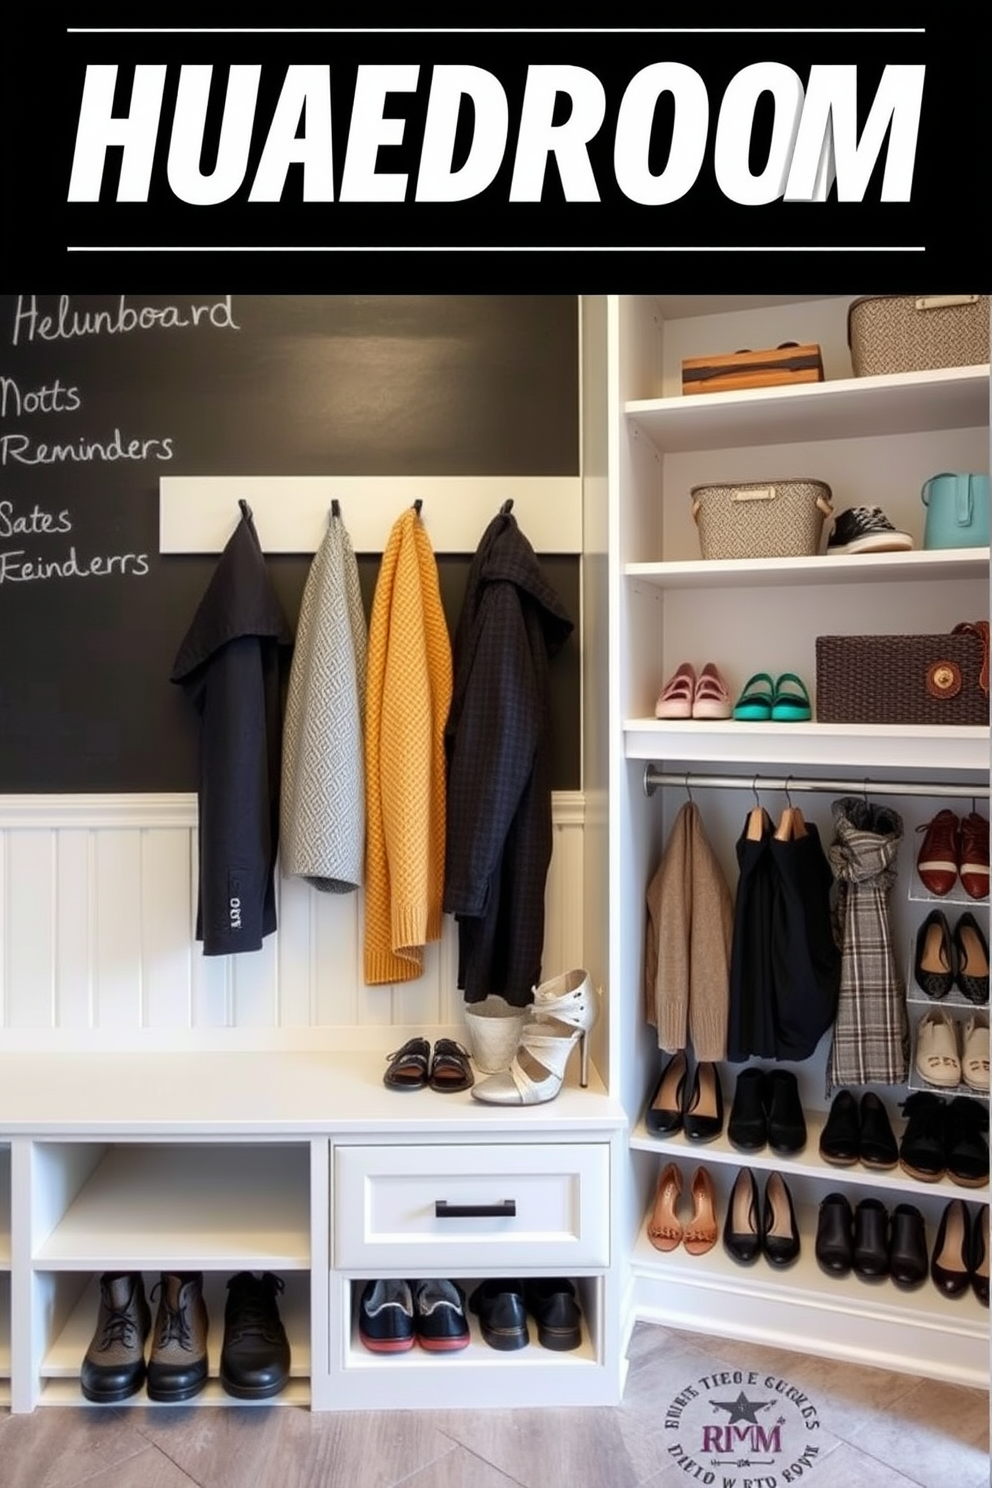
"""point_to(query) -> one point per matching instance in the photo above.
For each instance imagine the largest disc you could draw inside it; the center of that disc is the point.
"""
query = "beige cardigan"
(690, 924)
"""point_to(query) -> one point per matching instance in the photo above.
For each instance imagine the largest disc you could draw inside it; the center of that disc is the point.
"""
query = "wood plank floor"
(875, 1428)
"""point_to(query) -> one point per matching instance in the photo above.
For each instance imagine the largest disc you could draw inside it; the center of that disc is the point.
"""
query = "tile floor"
(873, 1428)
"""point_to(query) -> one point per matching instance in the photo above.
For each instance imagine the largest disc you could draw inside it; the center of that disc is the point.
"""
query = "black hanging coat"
(229, 665)
(498, 752)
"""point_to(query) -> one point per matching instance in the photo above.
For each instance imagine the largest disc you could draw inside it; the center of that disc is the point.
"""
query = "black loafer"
(664, 1113)
(840, 1139)
(950, 1263)
(742, 1223)
(879, 1148)
(702, 1119)
(870, 1258)
(834, 1247)
(966, 1122)
(780, 1232)
(556, 1313)
(747, 1128)
(921, 1150)
(908, 1261)
(933, 961)
(502, 1314)
(786, 1122)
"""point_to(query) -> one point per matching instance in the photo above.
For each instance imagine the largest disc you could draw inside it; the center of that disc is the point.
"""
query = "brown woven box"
(914, 679)
(913, 333)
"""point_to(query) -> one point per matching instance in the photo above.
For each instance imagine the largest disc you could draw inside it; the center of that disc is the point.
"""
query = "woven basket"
(914, 679)
(761, 519)
(912, 333)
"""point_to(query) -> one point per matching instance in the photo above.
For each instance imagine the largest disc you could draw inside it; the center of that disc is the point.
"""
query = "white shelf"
(846, 408)
(806, 744)
(807, 1164)
(63, 1358)
(845, 568)
(61, 1392)
(187, 1208)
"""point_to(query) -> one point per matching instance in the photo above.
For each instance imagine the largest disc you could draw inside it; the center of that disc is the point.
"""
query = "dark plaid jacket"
(497, 743)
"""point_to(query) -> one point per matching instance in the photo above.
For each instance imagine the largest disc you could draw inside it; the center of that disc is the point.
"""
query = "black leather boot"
(908, 1261)
(114, 1364)
(786, 1122)
(871, 1240)
(177, 1368)
(966, 1122)
(747, 1128)
(254, 1358)
(835, 1235)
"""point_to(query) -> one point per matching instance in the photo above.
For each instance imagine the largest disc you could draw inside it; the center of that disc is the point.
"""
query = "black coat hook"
(335, 507)
(417, 505)
(245, 508)
(507, 507)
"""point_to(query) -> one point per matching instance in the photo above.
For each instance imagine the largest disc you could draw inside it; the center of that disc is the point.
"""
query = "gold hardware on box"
(944, 679)
(944, 302)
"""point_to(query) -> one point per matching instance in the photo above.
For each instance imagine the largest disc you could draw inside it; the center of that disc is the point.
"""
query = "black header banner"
(434, 146)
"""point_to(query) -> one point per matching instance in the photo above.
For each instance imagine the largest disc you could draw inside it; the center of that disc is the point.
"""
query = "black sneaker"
(440, 1316)
(385, 1317)
(866, 529)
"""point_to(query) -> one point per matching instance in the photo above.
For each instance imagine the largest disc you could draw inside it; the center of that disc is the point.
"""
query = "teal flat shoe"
(791, 702)
(755, 702)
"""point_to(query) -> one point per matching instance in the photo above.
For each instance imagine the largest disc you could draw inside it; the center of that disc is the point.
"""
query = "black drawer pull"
(504, 1209)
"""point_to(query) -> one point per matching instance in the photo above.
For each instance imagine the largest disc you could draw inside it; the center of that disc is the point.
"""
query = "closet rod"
(788, 783)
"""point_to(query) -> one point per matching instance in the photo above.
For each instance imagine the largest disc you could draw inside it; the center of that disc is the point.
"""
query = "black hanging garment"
(498, 750)
(229, 666)
(785, 959)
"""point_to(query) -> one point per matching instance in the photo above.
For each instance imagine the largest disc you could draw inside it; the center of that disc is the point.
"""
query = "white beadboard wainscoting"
(97, 947)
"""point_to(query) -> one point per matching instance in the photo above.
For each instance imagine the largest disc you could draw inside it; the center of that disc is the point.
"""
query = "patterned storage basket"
(912, 333)
(761, 519)
(910, 679)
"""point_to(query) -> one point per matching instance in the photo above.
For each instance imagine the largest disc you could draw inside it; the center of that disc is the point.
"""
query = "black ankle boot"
(254, 1358)
(786, 1122)
(177, 1368)
(747, 1128)
(114, 1364)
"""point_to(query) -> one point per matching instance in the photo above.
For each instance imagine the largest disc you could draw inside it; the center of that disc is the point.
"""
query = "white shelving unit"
(874, 441)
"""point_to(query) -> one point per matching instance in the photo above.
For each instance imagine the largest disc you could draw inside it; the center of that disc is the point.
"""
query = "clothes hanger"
(791, 824)
(757, 816)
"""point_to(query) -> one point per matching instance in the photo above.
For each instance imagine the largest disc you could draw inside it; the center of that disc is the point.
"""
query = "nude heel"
(664, 1226)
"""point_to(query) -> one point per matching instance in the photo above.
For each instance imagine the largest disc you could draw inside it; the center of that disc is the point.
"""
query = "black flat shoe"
(786, 1122)
(921, 1150)
(879, 1148)
(871, 1242)
(840, 1139)
(780, 1232)
(409, 1067)
(450, 1069)
(702, 1119)
(742, 1224)
(499, 1306)
(933, 961)
(556, 1312)
(747, 1128)
(834, 1247)
(949, 1264)
(908, 1261)
(966, 1122)
(664, 1115)
(971, 951)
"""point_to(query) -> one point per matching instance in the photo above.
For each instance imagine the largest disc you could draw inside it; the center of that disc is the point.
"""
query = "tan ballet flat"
(699, 1235)
(664, 1226)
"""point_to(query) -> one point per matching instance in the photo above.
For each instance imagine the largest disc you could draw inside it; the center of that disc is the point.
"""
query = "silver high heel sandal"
(561, 1015)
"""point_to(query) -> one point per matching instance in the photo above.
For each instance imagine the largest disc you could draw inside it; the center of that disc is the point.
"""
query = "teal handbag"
(957, 511)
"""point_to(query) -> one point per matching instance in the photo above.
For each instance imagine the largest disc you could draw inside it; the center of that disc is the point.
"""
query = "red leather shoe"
(937, 863)
(973, 856)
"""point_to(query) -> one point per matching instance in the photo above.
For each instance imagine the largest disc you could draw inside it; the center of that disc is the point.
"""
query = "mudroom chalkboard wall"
(103, 394)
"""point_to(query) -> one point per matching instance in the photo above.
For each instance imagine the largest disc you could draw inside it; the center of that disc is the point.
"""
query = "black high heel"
(664, 1115)
(742, 1222)
(780, 1232)
(702, 1118)
(949, 1264)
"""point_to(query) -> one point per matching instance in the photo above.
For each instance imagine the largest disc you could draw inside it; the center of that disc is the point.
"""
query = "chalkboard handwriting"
(33, 523)
(17, 568)
(52, 398)
(21, 449)
(68, 323)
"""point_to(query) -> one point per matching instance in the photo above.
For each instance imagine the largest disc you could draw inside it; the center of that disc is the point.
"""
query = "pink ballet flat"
(675, 700)
(711, 698)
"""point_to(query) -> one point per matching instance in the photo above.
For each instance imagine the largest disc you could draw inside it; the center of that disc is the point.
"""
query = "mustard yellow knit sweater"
(407, 700)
